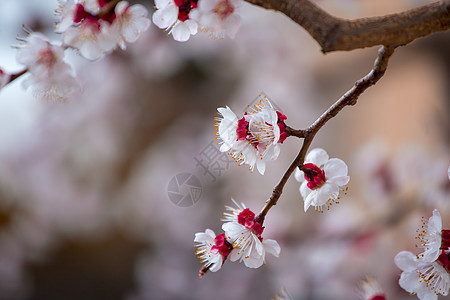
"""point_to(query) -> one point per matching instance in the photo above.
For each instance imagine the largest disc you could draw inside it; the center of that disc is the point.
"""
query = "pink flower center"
(184, 8)
(221, 246)
(314, 175)
(378, 297)
(445, 245)
(247, 218)
(223, 9)
(47, 57)
(242, 129)
(444, 260)
(282, 126)
(80, 13)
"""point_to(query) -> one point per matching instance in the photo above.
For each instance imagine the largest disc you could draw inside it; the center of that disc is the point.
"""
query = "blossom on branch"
(426, 279)
(218, 17)
(244, 232)
(174, 16)
(50, 76)
(253, 139)
(322, 179)
(212, 250)
(427, 274)
(430, 237)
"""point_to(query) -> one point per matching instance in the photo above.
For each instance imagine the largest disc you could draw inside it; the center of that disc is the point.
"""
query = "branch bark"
(335, 34)
(349, 98)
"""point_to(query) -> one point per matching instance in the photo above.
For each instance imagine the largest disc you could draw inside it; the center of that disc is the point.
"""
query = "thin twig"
(334, 33)
(349, 98)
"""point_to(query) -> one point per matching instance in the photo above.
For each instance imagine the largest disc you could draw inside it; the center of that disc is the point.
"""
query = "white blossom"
(173, 16)
(244, 233)
(254, 139)
(92, 38)
(429, 236)
(218, 17)
(210, 254)
(426, 279)
(50, 77)
(131, 22)
(323, 181)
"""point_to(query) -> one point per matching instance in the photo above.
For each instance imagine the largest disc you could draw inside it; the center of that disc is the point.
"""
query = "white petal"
(192, 25)
(406, 261)
(299, 175)
(253, 259)
(339, 181)
(166, 16)
(235, 254)
(227, 113)
(216, 263)
(261, 165)
(163, 3)
(272, 247)
(435, 222)
(181, 32)
(410, 281)
(309, 200)
(426, 294)
(326, 192)
(258, 245)
(335, 167)
(304, 189)
(317, 156)
(233, 23)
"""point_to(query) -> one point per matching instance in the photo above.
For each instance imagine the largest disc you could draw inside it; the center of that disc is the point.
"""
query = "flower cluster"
(183, 18)
(50, 77)
(322, 179)
(95, 29)
(241, 241)
(254, 139)
(427, 274)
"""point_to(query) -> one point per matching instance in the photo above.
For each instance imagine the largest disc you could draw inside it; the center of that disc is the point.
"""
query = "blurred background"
(95, 201)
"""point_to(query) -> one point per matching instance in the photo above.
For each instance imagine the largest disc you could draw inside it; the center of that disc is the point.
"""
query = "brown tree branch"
(334, 33)
(349, 98)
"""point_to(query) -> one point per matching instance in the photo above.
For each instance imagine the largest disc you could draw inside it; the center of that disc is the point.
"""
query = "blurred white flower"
(131, 22)
(322, 180)
(50, 77)
(173, 15)
(94, 33)
(218, 17)
(255, 138)
(426, 279)
(244, 233)
(93, 38)
(370, 289)
(429, 236)
(212, 250)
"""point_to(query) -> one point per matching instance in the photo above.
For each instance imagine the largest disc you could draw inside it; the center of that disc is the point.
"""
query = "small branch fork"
(335, 34)
(349, 98)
